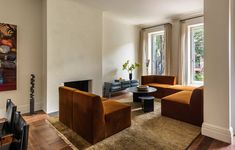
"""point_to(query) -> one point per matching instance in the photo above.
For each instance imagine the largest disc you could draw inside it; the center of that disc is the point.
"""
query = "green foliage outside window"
(198, 42)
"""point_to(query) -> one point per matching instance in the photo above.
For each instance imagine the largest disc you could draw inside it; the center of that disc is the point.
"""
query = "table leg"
(137, 95)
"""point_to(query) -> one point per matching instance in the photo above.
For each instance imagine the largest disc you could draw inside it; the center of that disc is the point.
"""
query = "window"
(157, 54)
(195, 54)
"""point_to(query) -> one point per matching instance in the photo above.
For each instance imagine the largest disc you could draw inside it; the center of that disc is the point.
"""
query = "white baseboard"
(216, 132)
(25, 108)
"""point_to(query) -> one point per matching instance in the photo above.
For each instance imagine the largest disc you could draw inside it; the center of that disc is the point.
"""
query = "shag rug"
(148, 131)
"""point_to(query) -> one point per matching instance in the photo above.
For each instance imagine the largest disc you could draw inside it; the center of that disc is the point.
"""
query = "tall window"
(156, 43)
(195, 54)
(157, 53)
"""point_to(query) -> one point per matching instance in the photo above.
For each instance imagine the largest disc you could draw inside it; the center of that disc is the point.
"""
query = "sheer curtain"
(182, 62)
(144, 49)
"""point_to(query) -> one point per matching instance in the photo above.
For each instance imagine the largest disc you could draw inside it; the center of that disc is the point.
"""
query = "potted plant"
(130, 67)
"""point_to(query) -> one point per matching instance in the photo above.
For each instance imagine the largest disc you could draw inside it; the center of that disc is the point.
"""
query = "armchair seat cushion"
(182, 97)
(117, 116)
(185, 106)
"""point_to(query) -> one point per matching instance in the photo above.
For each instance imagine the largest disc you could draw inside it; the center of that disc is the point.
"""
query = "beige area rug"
(149, 131)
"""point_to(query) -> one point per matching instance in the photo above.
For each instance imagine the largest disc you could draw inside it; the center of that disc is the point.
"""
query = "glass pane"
(158, 53)
(198, 53)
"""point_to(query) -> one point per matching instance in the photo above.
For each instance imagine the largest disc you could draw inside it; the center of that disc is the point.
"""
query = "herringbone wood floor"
(44, 137)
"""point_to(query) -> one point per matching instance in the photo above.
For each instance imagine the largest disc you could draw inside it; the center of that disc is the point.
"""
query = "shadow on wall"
(110, 75)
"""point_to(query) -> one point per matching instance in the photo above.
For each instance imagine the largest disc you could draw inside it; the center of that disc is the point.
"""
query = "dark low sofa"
(183, 103)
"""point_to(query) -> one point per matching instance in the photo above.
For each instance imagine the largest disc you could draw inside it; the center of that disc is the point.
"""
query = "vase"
(130, 76)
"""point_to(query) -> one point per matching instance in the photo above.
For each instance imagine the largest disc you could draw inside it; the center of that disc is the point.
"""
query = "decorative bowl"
(142, 87)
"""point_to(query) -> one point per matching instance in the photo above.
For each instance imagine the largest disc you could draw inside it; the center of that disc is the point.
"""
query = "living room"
(60, 41)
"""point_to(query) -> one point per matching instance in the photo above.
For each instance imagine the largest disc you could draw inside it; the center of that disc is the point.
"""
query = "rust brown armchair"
(186, 106)
(91, 117)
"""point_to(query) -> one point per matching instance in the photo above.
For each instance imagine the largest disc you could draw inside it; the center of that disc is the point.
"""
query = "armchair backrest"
(20, 131)
(66, 105)
(171, 80)
(88, 116)
(10, 113)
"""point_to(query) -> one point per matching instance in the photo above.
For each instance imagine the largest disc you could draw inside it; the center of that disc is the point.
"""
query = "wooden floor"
(43, 137)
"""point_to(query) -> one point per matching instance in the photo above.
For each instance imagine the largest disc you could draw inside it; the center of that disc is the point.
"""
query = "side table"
(147, 103)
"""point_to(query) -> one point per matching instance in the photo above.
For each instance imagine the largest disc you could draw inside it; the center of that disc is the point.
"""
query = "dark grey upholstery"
(115, 86)
(20, 131)
(10, 112)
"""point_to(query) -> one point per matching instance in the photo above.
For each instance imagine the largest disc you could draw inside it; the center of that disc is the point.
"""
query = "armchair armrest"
(158, 79)
(197, 97)
(196, 105)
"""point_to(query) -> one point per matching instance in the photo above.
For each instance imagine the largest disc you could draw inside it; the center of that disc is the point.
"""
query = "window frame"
(191, 52)
(188, 78)
(150, 52)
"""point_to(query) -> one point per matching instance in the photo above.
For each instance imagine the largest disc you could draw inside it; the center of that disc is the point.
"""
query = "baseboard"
(25, 108)
(216, 132)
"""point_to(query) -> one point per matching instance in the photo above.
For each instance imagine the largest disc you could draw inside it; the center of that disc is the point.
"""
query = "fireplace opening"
(84, 85)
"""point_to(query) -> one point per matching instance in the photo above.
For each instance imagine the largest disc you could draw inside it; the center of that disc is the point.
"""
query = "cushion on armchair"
(117, 116)
(180, 97)
(185, 106)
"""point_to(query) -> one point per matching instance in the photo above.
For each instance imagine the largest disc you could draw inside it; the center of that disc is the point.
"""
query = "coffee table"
(140, 93)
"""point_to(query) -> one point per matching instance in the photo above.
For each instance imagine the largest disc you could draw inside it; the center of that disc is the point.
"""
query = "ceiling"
(147, 12)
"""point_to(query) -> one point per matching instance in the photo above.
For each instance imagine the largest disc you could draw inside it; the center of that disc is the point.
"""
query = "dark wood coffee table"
(140, 93)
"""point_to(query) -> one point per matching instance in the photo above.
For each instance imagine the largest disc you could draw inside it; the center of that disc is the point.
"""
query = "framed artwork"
(8, 50)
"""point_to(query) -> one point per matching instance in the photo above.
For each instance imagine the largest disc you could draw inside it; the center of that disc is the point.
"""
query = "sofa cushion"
(180, 97)
(183, 88)
(103, 98)
(117, 116)
(160, 89)
(157, 85)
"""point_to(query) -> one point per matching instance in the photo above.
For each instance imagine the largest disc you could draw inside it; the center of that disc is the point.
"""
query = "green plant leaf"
(129, 67)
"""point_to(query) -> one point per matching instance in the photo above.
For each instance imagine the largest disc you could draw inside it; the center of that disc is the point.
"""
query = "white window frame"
(150, 53)
(146, 53)
(188, 57)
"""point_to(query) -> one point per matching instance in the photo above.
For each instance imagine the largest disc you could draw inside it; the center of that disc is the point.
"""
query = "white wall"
(120, 43)
(27, 15)
(74, 47)
(44, 63)
(232, 64)
(217, 119)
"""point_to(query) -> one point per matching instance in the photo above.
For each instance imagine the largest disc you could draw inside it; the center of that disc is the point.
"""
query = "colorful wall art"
(8, 50)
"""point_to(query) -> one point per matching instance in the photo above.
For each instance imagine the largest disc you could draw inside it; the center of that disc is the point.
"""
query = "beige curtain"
(182, 62)
(168, 47)
(144, 47)
(143, 52)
